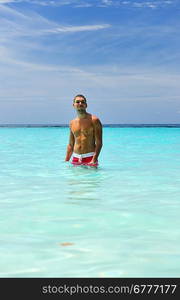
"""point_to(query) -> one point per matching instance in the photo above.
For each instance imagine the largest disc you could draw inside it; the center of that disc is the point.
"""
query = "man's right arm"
(70, 146)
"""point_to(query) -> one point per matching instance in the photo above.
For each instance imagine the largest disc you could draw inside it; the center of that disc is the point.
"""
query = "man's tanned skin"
(85, 132)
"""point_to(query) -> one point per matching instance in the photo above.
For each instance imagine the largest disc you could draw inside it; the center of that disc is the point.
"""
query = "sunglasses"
(78, 101)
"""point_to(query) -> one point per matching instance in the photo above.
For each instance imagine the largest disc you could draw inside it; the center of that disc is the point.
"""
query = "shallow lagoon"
(120, 220)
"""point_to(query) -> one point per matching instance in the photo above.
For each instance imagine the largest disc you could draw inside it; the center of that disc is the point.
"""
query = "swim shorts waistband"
(84, 155)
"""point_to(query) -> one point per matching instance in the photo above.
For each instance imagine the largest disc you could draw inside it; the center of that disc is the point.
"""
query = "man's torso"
(83, 131)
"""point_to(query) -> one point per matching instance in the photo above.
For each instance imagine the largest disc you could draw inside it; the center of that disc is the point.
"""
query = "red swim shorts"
(83, 159)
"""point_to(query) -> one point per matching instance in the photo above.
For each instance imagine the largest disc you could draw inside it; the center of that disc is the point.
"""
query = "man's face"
(80, 104)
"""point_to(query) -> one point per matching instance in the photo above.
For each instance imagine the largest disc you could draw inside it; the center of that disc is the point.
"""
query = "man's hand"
(93, 163)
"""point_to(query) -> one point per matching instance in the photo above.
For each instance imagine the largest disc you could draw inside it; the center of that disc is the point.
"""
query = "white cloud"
(84, 5)
(99, 3)
(14, 23)
(7, 1)
(48, 79)
(34, 80)
(78, 28)
(107, 2)
(146, 4)
(41, 89)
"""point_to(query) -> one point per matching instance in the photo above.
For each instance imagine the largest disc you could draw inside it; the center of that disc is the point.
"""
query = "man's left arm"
(98, 139)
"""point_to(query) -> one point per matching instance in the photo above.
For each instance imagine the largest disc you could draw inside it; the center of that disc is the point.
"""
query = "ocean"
(119, 220)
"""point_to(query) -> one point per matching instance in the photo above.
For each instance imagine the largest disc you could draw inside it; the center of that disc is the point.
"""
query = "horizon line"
(103, 124)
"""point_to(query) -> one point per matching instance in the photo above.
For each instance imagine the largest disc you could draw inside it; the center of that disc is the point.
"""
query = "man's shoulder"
(95, 119)
(72, 121)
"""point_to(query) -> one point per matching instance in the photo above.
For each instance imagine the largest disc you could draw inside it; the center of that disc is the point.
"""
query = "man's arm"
(70, 146)
(98, 139)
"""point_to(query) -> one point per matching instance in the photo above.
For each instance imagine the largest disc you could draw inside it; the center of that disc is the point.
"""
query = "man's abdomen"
(84, 146)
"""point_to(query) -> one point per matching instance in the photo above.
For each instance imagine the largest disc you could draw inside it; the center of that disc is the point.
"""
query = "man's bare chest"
(85, 129)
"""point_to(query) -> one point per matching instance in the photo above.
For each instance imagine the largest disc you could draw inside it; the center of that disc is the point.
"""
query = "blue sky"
(123, 55)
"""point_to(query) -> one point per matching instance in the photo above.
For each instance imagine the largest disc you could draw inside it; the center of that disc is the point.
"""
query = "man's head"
(80, 103)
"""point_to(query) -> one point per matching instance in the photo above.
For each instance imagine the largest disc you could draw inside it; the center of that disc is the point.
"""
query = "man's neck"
(82, 115)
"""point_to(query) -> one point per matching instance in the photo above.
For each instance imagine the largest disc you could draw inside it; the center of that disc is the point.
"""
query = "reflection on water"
(83, 183)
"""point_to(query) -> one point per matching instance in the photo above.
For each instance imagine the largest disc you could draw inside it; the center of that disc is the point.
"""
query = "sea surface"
(119, 220)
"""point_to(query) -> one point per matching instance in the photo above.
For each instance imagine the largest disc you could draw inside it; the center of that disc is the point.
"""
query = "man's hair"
(79, 95)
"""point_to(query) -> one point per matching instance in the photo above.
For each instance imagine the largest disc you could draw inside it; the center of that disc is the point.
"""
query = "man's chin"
(81, 110)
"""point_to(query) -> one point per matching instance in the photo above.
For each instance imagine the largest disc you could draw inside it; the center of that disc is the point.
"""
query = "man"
(85, 141)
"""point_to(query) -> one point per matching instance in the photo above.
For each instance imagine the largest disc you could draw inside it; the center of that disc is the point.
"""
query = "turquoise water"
(120, 220)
